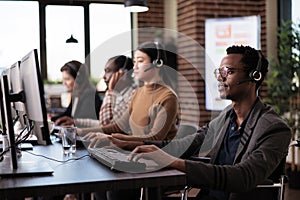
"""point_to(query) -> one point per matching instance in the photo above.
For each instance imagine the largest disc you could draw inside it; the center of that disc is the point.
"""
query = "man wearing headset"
(248, 139)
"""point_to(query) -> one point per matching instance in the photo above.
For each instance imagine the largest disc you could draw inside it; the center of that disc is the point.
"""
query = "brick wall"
(191, 23)
(153, 18)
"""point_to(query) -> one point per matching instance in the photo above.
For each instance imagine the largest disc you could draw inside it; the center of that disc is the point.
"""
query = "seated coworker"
(250, 139)
(152, 113)
(85, 102)
(117, 96)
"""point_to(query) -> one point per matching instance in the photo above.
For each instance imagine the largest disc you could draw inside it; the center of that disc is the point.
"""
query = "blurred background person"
(85, 102)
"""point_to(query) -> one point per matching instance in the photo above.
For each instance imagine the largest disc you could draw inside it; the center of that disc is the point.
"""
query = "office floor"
(291, 194)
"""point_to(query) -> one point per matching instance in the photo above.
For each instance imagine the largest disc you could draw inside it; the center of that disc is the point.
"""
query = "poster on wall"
(221, 33)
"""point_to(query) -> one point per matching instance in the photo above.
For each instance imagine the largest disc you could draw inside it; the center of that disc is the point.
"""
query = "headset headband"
(256, 75)
(158, 62)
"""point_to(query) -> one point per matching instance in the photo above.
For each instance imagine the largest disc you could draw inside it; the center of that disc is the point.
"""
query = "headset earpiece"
(255, 75)
(158, 62)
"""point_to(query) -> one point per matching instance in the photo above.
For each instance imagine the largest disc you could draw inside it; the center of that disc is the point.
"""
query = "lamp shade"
(71, 40)
(136, 5)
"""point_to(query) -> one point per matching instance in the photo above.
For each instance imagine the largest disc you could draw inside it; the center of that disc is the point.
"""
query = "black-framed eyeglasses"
(224, 71)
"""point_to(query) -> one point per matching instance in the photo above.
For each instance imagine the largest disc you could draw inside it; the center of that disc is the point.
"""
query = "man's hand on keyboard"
(152, 152)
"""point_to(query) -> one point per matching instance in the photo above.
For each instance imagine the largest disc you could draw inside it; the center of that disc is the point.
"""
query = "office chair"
(185, 129)
(279, 173)
(280, 186)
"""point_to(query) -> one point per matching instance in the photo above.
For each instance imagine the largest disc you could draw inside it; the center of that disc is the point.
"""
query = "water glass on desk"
(68, 138)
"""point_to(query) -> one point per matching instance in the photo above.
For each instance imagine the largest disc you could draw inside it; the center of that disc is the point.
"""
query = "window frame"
(42, 13)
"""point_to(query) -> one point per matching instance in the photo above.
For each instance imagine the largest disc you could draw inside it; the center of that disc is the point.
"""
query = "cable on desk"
(20, 139)
(3, 152)
(61, 161)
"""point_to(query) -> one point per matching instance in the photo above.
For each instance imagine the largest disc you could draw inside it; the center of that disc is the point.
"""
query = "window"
(295, 12)
(19, 22)
(110, 34)
(61, 23)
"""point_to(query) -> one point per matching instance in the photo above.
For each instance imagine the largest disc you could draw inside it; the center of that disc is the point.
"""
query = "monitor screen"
(33, 90)
(15, 84)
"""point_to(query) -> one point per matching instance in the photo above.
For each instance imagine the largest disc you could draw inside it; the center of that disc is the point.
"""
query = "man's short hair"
(252, 60)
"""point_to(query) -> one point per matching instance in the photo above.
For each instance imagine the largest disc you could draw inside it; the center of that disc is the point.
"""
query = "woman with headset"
(152, 113)
(85, 102)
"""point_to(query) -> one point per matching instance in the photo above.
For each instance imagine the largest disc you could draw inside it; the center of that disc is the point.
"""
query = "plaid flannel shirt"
(115, 105)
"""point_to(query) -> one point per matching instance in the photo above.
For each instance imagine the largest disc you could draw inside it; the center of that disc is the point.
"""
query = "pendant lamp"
(71, 40)
(136, 5)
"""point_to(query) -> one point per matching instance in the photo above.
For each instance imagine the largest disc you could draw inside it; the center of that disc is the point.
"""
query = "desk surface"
(84, 175)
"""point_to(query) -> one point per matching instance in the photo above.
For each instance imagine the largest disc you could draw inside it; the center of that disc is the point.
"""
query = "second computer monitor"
(33, 89)
(16, 84)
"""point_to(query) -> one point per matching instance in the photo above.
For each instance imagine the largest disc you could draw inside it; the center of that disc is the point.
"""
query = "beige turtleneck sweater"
(151, 115)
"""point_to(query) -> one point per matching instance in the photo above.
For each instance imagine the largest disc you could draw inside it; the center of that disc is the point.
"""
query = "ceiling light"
(71, 40)
(136, 5)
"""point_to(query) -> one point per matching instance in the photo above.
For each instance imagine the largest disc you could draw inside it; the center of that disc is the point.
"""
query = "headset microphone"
(149, 68)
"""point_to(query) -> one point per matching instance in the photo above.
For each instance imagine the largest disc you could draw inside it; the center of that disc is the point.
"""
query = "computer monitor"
(7, 73)
(26, 95)
(16, 167)
(7, 123)
(33, 90)
(15, 85)
(31, 93)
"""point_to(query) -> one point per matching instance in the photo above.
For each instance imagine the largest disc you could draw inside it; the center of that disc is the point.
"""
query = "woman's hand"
(79, 131)
(64, 121)
(126, 145)
(96, 139)
(120, 136)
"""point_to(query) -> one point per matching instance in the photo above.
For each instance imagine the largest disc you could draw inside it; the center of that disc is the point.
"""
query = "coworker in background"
(153, 110)
(117, 96)
(250, 139)
(85, 102)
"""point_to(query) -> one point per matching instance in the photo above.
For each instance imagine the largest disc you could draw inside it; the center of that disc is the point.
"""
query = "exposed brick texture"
(191, 22)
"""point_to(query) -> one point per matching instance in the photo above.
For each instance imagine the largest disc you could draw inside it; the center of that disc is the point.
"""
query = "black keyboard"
(117, 160)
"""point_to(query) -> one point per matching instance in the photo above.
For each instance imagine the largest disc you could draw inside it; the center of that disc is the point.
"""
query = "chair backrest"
(186, 129)
(278, 172)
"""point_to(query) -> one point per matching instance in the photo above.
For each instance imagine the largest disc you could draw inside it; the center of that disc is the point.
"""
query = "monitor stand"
(25, 168)
(12, 165)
